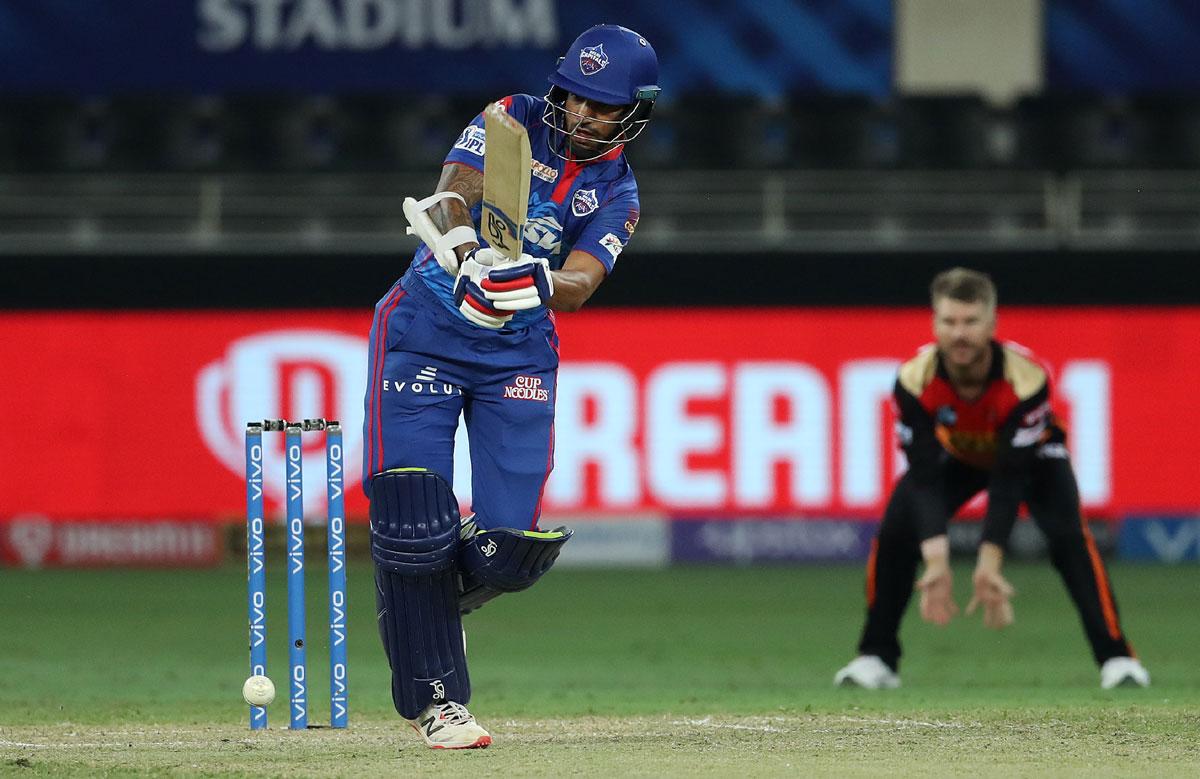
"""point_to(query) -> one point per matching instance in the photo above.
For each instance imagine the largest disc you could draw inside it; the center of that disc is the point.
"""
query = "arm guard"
(442, 246)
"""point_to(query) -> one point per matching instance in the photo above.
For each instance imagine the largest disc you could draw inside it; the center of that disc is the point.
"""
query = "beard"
(965, 353)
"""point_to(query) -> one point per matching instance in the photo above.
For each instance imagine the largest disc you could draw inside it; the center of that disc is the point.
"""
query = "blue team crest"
(592, 59)
(584, 202)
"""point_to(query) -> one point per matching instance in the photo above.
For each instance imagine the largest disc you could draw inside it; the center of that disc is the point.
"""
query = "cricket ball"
(258, 691)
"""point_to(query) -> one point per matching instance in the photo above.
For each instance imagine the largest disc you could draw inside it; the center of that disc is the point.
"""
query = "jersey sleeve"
(925, 460)
(470, 146)
(1016, 445)
(610, 227)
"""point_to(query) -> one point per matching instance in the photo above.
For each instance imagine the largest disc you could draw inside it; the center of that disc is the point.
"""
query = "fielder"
(975, 414)
(466, 333)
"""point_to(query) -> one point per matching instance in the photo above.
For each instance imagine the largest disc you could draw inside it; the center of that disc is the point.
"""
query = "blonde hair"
(965, 285)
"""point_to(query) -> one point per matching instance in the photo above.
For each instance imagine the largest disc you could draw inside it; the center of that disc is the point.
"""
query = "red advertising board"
(135, 416)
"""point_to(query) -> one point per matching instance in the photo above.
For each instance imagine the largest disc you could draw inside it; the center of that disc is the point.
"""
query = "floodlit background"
(200, 205)
(196, 223)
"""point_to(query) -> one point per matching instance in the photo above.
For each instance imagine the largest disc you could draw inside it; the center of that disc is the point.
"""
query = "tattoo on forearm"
(467, 182)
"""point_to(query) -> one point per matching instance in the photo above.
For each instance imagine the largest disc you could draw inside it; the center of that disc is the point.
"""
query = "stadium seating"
(53, 133)
(397, 132)
(947, 131)
(1171, 130)
(839, 131)
(1063, 132)
(912, 170)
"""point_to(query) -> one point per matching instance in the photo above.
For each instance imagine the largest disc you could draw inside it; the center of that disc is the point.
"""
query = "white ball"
(258, 691)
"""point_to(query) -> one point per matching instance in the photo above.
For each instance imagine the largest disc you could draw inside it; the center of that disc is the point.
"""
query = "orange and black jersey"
(999, 432)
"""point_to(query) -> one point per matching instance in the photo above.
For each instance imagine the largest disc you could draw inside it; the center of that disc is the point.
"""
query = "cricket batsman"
(976, 414)
(468, 332)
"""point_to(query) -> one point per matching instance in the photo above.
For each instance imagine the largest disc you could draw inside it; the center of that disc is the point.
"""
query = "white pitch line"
(904, 722)
(95, 745)
(708, 723)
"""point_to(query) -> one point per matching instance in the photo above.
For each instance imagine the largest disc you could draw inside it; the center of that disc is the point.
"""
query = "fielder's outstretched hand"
(937, 595)
(992, 591)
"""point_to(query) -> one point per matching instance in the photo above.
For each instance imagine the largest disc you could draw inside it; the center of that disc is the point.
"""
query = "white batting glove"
(471, 299)
(518, 286)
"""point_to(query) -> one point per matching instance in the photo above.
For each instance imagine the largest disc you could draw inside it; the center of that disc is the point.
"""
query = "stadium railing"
(174, 172)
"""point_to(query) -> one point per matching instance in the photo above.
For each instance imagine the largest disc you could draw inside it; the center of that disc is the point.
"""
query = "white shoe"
(1123, 672)
(450, 726)
(868, 672)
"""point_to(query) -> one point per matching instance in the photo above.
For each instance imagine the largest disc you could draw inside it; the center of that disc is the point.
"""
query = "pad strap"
(493, 562)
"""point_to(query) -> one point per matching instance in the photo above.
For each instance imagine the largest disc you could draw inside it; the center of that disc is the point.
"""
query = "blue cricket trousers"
(427, 366)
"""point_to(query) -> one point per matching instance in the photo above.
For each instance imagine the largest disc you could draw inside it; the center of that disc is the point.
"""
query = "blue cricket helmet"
(609, 64)
(606, 64)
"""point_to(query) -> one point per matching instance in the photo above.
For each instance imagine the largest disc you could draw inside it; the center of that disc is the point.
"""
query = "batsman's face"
(590, 123)
(963, 331)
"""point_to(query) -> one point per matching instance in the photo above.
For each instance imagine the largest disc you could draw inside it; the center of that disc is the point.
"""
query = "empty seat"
(168, 132)
(729, 131)
(1061, 132)
(1172, 129)
(283, 132)
(374, 131)
(42, 133)
(945, 131)
(839, 131)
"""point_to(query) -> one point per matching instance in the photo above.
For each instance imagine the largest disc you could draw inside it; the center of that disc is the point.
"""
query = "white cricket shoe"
(868, 672)
(1123, 672)
(450, 726)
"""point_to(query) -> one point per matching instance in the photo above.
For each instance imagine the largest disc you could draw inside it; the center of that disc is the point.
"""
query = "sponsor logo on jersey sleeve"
(472, 140)
(612, 243)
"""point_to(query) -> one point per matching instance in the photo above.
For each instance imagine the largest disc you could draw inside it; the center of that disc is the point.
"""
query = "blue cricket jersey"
(590, 206)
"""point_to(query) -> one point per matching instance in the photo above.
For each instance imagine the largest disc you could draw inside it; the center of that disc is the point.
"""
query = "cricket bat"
(506, 165)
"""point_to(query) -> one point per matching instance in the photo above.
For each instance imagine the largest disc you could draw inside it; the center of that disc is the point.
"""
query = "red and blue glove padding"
(519, 286)
(490, 289)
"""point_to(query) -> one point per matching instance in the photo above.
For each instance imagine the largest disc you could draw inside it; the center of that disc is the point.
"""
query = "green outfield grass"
(712, 671)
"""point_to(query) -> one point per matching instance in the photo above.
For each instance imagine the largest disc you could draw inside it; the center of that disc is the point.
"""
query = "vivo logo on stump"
(285, 374)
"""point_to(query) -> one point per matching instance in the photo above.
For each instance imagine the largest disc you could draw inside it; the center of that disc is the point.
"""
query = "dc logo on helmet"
(592, 59)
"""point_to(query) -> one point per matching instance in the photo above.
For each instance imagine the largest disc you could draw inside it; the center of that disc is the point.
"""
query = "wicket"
(256, 567)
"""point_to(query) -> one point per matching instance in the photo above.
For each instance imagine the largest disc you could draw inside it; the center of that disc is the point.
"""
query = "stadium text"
(365, 25)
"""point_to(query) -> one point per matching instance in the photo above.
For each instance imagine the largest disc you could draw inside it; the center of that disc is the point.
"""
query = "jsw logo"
(285, 374)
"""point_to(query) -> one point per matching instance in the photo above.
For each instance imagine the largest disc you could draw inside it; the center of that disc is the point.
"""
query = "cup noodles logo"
(285, 374)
